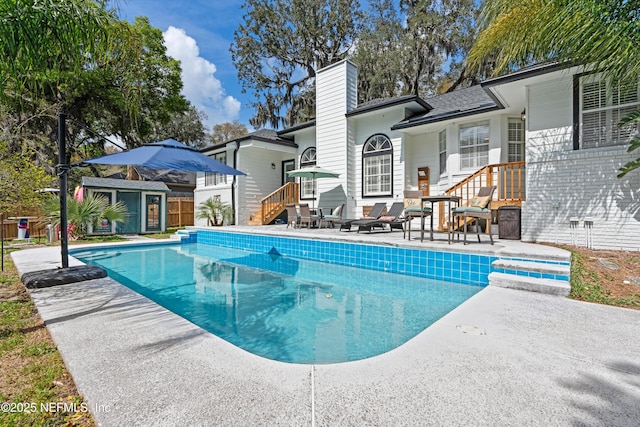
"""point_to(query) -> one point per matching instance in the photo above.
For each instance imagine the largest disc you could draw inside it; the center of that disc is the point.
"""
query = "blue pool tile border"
(454, 267)
(535, 274)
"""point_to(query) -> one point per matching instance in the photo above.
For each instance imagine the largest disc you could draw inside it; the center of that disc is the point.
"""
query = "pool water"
(281, 308)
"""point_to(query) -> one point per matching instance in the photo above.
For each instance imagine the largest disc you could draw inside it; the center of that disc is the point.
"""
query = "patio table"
(451, 200)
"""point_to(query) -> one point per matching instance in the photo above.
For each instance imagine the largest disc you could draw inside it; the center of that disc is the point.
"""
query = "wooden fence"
(36, 227)
(181, 212)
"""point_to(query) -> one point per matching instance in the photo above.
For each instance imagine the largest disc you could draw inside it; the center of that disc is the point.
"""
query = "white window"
(442, 143)
(603, 103)
(474, 145)
(213, 178)
(515, 140)
(377, 156)
(307, 159)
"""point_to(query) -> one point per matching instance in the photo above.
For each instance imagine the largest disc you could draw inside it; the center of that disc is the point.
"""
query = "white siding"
(563, 183)
(336, 93)
(363, 129)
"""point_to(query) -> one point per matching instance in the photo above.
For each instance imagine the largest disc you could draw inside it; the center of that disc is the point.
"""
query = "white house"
(547, 136)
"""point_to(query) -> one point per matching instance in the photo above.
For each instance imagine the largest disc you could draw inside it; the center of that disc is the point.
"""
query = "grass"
(32, 371)
(169, 233)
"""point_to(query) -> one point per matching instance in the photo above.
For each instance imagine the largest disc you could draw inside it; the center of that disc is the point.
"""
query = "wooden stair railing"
(275, 203)
(509, 179)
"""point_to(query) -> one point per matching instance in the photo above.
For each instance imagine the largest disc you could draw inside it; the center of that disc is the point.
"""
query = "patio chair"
(375, 213)
(335, 215)
(413, 209)
(306, 217)
(292, 216)
(393, 218)
(478, 208)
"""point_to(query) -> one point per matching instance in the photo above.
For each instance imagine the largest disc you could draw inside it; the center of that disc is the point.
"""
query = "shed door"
(132, 222)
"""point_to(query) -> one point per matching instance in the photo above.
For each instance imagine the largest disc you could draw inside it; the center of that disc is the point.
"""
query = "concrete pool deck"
(504, 357)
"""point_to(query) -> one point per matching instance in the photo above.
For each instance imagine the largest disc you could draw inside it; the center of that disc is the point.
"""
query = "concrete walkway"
(503, 358)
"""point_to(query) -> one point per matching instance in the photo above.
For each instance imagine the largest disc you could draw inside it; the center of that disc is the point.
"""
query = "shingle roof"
(461, 102)
(123, 184)
(299, 126)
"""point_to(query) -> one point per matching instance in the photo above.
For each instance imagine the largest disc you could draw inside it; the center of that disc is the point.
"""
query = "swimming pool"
(289, 308)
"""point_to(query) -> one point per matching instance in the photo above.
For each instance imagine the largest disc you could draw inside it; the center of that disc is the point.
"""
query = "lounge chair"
(393, 218)
(478, 208)
(306, 217)
(292, 216)
(375, 213)
(413, 209)
(335, 215)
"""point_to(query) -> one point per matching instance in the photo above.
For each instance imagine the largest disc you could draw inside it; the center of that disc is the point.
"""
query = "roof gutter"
(429, 120)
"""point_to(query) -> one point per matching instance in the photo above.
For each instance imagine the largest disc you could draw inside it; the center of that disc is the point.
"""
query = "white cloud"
(201, 87)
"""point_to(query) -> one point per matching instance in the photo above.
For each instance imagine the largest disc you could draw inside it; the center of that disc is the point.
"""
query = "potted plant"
(215, 211)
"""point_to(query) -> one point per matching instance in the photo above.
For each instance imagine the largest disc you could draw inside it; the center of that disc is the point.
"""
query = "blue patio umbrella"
(167, 154)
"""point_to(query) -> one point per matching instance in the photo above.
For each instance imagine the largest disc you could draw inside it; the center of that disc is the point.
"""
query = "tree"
(20, 180)
(51, 51)
(602, 34)
(160, 85)
(400, 48)
(279, 47)
(132, 91)
(434, 34)
(187, 127)
(377, 52)
(223, 132)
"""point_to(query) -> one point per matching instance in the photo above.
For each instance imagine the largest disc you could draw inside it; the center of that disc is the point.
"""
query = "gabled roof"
(459, 103)
(264, 135)
(123, 184)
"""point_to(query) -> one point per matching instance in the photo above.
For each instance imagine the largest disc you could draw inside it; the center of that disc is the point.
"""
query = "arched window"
(377, 170)
(308, 158)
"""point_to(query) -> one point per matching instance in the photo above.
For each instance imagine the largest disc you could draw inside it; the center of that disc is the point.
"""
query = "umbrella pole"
(62, 173)
(313, 194)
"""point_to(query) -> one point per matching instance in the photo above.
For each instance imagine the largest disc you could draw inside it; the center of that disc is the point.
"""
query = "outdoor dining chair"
(478, 208)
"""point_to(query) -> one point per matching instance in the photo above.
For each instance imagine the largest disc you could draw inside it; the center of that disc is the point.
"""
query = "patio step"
(542, 268)
(548, 278)
(184, 235)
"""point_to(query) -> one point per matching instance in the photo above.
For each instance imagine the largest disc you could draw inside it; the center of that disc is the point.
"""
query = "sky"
(199, 34)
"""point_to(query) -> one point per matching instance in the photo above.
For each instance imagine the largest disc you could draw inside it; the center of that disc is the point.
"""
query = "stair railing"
(509, 179)
(275, 203)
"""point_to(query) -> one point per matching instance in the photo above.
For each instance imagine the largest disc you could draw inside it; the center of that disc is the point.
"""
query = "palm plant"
(215, 211)
(91, 210)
